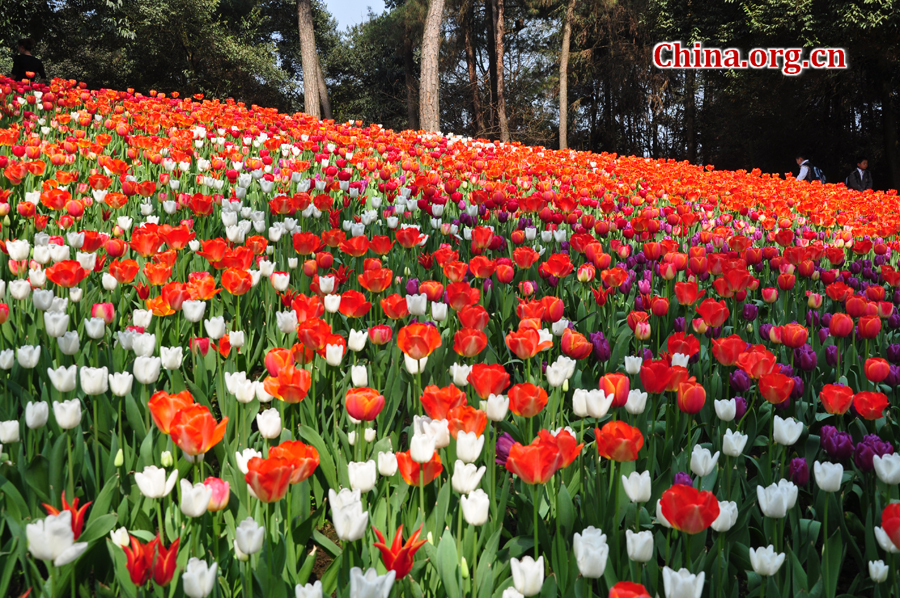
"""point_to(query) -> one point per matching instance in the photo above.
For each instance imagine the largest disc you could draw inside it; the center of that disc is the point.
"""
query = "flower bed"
(286, 356)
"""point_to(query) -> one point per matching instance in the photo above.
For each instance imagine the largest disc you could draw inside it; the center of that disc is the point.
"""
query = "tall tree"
(467, 13)
(498, 8)
(311, 94)
(564, 76)
(430, 78)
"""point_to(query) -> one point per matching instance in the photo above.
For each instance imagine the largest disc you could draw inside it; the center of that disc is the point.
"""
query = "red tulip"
(714, 313)
(655, 376)
(775, 387)
(525, 343)
(757, 361)
(399, 557)
(67, 273)
(890, 522)
(628, 589)
(836, 399)
(165, 562)
(138, 561)
(575, 345)
(534, 463)
(876, 369)
(870, 405)
(841, 325)
(77, 513)
(689, 510)
(869, 326)
(488, 379)
(568, 446)
(727, 350)
(794, 335)
(164, 406)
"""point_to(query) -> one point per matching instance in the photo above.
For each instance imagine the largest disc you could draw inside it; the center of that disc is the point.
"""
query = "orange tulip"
(691, 397)
(269, 479)
(618, 441)
(236, 282)
(527, 400)
(290, 386)
(714, 313)
(757, 361)
(469, 342)
(460, 295)
(567, 445)
(410, 470)
(418, 340)
(575, 345)
(195, 431)
(164, 406)
(304, 458)
(438, 402)
(794, 335)
(616, 385)
(525, 343)
(466, 419)
(363, 403)
(375, 281)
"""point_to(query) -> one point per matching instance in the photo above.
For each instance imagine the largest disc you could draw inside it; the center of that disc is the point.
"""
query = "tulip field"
(246, 353)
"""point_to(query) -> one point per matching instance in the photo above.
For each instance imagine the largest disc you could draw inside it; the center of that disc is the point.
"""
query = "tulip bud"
(120, 458)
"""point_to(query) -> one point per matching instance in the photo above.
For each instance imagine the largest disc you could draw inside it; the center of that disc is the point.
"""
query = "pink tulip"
(220, 493)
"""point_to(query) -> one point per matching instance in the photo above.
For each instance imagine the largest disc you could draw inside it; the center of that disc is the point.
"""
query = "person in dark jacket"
(860, 179)
(24, 62)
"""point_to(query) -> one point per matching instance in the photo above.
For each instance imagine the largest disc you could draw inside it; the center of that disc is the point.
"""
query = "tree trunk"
(412, 94)
(564, 77)
(309, 61)
(889, 128)
(323, 90)
(492, 62)
(499, 31)
(690, 110)
(429, 80)
(477, 121)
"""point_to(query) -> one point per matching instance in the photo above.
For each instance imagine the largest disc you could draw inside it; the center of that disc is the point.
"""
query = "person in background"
(24, 62)
(860, 179)
(806, 171)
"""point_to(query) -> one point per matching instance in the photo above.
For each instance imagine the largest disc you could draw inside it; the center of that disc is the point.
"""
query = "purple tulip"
(832, 355)
(837, 445)
(602, 350)
(504, 443)
(799, 471)
(740, 381)
(683, 479)
(805, 358)
(740, 408)
(750, 312)
(866, 450)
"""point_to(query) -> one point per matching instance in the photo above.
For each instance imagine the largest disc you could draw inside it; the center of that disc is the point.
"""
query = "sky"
(351, 12)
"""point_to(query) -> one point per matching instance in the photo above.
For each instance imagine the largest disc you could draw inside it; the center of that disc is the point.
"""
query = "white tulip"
(469, 446)
(591, 552)
(362, 475)
(387, 464)
(199, 578)
(475, 507)
(787, 431)
(466, 477)
(703, 462)
(828, 476)
(67, 413)
(528, 575)
(269, 423)
(733, 443)
(153, 483)
(637, 486)
(765, 561)
(639, 545)
(682, 584)
(52, 539)
(62, 378)
(194, 499)
(36, 415)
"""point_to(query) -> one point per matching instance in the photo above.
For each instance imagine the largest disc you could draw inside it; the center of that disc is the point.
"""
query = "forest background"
(556, 73)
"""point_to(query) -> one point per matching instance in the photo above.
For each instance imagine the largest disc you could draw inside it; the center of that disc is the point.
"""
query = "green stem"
(534, 489)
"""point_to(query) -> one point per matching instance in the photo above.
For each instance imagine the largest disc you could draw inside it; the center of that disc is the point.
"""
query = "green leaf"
(448, 565)
(326, 464)
(99, 527)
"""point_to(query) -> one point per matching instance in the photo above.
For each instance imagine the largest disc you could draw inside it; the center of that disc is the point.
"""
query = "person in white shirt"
(805, 169)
